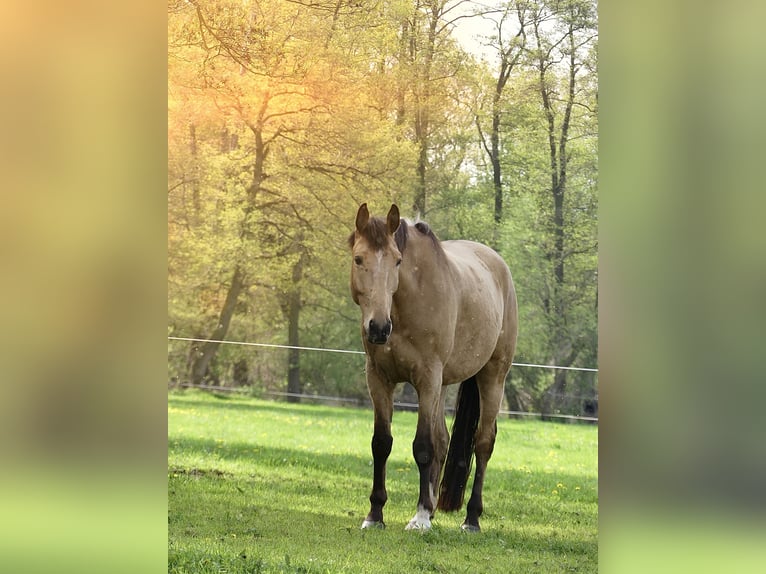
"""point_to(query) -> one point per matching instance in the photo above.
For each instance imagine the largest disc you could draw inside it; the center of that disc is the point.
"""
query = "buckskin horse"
(433, 314)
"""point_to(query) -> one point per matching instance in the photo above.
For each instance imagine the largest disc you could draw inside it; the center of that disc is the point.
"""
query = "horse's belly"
(466, 360)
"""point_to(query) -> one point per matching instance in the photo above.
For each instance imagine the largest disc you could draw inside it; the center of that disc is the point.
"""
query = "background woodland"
(284, 116)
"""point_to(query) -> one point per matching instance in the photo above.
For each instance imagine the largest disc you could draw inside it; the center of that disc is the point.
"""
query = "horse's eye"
(398, 262)
(358, 260)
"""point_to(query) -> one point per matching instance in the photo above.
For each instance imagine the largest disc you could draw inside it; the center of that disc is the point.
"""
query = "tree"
(285, 116)
(535, 115)
(287, 105)
(510, 49)
(559, 57)
(429, 60)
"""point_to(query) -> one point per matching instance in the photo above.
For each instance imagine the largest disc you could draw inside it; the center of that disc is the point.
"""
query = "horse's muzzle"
(378, 334)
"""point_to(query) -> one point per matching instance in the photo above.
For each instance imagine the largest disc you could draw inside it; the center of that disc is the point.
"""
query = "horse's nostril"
(378, 332)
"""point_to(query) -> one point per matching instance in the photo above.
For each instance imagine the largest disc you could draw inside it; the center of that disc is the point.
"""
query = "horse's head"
(375, 271)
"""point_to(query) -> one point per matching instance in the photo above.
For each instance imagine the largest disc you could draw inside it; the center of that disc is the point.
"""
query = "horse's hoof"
(421, 521)
(470, 528)
(372, 524)
(414, 525)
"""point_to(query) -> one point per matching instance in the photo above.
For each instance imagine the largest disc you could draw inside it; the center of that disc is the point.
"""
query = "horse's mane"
(376, 234)
(425, 229)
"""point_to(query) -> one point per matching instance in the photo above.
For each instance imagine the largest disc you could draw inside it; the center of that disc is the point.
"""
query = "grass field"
(258, 486)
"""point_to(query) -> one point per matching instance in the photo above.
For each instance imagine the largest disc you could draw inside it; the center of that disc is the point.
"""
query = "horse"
(434, 313)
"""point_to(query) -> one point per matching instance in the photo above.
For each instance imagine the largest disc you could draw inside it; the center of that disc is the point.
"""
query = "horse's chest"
(401, 358)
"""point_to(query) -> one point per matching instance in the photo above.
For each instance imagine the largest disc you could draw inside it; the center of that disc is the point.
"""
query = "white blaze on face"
(379, 288)
(379, 261)
(379, 257)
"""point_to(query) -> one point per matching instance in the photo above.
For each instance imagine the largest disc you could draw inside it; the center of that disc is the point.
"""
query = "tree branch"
(481, 136)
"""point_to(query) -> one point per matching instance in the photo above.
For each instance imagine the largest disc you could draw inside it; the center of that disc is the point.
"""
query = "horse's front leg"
(423, 448)
(382, 395)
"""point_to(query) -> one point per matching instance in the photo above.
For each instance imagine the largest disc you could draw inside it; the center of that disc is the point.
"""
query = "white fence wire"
(274, 346)
(361, 402)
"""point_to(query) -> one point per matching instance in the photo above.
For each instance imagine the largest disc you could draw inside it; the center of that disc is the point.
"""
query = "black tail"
(457, 468)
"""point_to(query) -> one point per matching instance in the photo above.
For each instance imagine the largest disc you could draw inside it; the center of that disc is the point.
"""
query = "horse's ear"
(392, 221)
(362, 217)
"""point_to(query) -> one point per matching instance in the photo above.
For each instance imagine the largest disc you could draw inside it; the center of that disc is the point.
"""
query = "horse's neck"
(424, 274)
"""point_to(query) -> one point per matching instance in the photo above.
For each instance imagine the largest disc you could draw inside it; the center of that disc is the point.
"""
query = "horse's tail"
(457, 468)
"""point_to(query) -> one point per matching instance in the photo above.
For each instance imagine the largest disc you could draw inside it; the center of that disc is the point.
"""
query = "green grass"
(258, 486)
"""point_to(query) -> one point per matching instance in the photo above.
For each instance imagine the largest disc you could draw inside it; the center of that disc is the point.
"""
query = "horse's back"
(477, 263)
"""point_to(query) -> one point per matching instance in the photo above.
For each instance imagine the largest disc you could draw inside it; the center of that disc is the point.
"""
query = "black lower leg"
(381, 448)
(423, 452)
(475, 506)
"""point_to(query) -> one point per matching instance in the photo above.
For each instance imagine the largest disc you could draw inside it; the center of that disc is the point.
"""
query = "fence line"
(365, 402)
(273, 346)
(269, 345)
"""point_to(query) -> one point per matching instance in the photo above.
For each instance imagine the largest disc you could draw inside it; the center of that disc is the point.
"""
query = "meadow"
(259, 486)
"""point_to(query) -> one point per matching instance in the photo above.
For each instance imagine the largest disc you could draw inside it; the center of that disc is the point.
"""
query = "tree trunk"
(556, 308)
(420, 190)
(405, 62)
(293, 355)
(512, 394)
(195, 177)
(241, 374)
(508, 60)
(554, 398)
(203, 353)
(293, 332)
(560, 182)
(494, 152)
(423, 111)
(497, 180)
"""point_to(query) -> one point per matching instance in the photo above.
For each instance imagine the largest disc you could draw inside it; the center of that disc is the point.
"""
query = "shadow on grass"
(261, 456)
(231, 403)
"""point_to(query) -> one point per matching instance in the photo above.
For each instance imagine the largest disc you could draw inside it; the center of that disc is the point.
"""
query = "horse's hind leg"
(441, 444)
(491, 381)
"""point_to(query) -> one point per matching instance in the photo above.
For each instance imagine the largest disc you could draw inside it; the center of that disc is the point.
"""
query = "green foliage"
(255, 486)
(283, 117)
